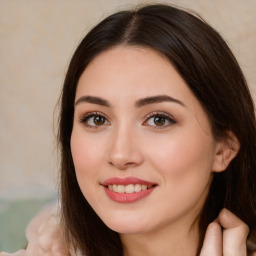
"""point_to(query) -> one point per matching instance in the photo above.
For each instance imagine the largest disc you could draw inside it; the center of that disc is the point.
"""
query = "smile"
(127, 190)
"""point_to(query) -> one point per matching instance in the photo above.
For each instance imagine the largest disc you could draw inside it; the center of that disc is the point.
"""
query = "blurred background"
(38, 38)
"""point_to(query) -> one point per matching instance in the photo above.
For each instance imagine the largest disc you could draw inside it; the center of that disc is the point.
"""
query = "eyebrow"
(138, 103)
(93, 100)
(157, 99)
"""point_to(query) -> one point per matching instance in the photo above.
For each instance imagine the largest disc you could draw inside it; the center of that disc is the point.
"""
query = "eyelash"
(85, 118)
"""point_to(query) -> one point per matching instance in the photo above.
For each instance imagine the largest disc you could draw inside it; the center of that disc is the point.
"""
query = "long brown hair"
(205, 62)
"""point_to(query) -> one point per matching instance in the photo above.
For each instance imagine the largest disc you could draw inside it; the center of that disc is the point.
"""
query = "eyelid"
(155, 113)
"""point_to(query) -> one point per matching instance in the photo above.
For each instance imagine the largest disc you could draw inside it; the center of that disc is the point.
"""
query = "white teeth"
(144, 187)
(137, 188)
(131, 188)
(115, 187)
(120, 188)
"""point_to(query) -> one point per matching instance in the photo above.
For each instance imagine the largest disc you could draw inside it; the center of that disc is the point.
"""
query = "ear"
(226, 150)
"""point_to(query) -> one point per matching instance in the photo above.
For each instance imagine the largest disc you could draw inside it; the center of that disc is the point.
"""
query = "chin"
(127, 226)
(128, 229)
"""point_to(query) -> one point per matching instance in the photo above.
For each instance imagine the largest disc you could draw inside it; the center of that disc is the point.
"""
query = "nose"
(125, 149)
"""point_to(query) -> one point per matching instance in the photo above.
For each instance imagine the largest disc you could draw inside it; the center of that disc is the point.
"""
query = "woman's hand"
(225, 236)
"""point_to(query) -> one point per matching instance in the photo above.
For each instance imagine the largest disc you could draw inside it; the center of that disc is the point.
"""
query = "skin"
(231, 241)
(179, 155)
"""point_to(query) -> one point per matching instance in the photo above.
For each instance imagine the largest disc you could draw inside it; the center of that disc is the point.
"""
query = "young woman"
(157, 136)
(154, 99)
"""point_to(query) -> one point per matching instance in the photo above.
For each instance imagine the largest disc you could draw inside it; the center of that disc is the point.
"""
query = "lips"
(127, 189)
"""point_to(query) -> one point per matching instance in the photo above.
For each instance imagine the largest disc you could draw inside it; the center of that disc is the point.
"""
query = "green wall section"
(14, 218)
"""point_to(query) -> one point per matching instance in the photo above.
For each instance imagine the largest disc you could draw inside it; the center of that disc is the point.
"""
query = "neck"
(173, 240)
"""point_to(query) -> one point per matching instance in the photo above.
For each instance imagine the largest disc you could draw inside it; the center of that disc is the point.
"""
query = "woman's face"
(141, 142)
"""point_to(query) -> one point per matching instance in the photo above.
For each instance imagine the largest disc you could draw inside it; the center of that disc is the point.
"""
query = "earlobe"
(226, 150)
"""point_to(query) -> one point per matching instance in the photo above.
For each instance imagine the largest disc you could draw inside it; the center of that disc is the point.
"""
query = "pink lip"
(126, 181)
(127, 197)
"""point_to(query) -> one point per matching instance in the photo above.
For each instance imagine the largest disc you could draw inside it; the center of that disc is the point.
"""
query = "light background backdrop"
(38, 38)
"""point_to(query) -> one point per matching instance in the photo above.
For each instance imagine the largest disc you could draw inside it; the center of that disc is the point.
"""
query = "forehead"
(131, 70)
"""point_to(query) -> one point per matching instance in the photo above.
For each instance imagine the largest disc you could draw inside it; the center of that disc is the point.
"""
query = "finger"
(234, 234)
(212, 244)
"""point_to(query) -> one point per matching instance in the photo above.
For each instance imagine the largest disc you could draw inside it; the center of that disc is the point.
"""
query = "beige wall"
(37, 40)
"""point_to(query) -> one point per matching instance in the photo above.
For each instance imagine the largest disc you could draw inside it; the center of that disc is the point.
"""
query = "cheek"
(184, 165)
(184, 160)
(87, 155)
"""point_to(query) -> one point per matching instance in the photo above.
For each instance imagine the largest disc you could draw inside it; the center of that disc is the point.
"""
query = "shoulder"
(44, 234)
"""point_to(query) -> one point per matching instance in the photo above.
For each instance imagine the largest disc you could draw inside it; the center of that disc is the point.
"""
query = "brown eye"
(99, 120)
(159, 120)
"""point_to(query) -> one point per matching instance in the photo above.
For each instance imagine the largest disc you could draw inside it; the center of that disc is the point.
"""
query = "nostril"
(122, 165)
